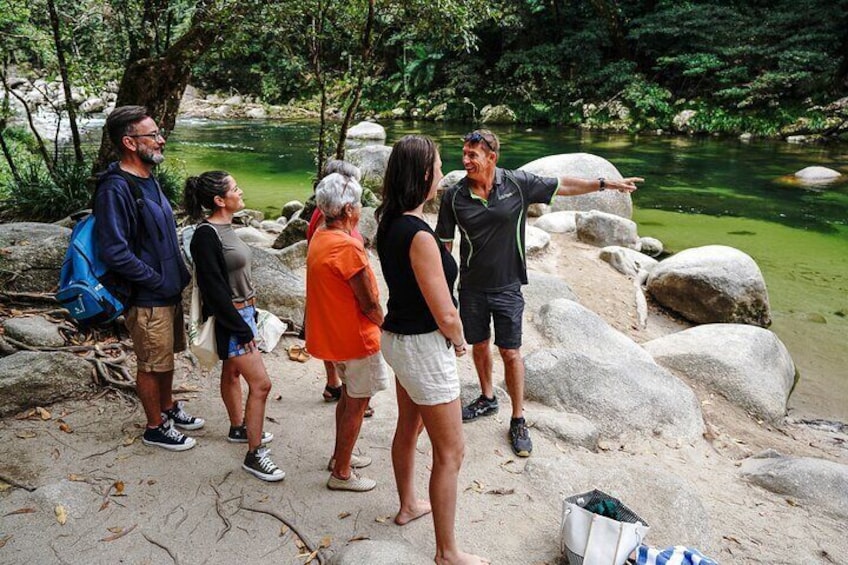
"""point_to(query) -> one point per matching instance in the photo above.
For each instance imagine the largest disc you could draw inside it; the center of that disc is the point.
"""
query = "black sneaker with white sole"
(481, 406)
(183, 419)
(238, 434)
(167, 437)
(258, 463)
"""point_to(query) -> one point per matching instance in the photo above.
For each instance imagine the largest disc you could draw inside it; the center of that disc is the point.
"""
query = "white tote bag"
(201, 335)
(588, 538)
(270, 329)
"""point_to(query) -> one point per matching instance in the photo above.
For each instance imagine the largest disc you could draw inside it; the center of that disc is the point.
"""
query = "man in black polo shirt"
(489, 206)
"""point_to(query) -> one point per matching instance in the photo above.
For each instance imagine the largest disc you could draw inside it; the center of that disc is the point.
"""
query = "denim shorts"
(235, 349)
(505, 308)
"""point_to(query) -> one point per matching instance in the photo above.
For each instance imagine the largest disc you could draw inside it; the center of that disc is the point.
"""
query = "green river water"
(698, 191)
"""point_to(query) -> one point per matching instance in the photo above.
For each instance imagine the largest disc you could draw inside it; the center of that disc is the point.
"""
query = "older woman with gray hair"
(343, 318)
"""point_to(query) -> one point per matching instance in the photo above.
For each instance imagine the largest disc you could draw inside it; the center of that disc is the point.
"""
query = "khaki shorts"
(157, 333)
(424, 365)
(364, 377)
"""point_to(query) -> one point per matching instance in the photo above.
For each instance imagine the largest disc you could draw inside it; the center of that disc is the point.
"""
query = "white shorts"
(425, 366)
(363, 378)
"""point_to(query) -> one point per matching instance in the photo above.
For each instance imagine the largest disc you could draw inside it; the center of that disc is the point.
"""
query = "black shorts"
(505, 308)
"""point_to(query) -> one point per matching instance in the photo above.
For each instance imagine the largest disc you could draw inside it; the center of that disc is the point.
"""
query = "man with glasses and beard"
(490, 206)
(138, 242)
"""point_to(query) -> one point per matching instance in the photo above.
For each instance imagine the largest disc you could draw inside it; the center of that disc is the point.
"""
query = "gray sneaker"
(259, 465)
(519, 438)
(482, 406)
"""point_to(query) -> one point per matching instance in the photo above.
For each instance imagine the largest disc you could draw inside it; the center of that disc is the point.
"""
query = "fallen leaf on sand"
(25, 415)
(61, 515)
(501, 491)
(115, 529)
(299, 544)
(358, 538)
(77, 478)
(65, 427)
(476, 486)
(4, 486)
(325, 542)
(119, 488)
(119, 534)
(20, 511)
(284, 530)
(343, 515)
(25, 434)
(4, 540)
(43, 413)
(104, 505)
(129, 440)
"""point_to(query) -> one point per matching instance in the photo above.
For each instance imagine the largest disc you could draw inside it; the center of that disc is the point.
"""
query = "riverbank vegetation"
(763, 68)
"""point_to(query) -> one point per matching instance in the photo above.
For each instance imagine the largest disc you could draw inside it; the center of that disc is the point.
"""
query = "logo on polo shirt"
(507, 195)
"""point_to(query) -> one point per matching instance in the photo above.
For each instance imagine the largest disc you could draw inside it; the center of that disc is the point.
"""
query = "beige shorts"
(157, 333)
(363, 378)
(425, 366)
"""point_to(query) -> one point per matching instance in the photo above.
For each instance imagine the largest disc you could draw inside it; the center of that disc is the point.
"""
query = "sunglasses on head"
(476, 137)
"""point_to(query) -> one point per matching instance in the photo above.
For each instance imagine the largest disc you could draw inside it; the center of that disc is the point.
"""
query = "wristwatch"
(602, 184)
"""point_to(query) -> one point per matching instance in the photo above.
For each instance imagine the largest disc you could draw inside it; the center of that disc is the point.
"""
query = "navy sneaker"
(166, 437)
(183, 419)
(238, 434)
(482, 406)
(519, 438)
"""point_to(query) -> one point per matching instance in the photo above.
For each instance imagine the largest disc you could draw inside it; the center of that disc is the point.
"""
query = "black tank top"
(408, 313)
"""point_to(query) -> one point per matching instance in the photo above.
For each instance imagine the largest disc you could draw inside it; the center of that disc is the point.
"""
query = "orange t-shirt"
(336, 329)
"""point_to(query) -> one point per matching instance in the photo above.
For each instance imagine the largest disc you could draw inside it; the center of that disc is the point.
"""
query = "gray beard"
(150, 158)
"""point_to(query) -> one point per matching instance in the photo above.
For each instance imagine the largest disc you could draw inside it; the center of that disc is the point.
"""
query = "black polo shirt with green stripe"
(491, 249)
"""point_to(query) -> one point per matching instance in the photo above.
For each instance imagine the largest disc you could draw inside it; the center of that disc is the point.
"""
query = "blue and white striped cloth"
(677, 555)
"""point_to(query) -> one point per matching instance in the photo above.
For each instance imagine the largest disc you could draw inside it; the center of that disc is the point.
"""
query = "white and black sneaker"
(166, 437)
(259, 464)
(238, 434)
(183, 419)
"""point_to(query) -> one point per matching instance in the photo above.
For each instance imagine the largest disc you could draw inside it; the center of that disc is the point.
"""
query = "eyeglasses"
(162, 133)
(476, 137)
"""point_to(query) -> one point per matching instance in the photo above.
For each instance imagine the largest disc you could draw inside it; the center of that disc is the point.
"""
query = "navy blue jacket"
(138, 240)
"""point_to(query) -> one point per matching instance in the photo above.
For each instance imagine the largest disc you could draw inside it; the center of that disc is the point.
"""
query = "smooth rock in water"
(372, 161)
(570, 428)
(290, 207)
(233, 100)
(602, 229)
(820, 484)
(682, 119)
(367, 130)
(536, 240)
(253, 236)
(256, 113)
(651, 246)
(278, 289)
(817, 174)
(601, 374)
(293, 256)
(584, 166)
(40, 378)
(627, 261)
(293, 232)
(379, 552)
(796, 139)
(500, 114)
(712, 284)
(747, 365)
(558, 222)
(747, 136)
(272, 226)
(34, 330)
(31, 256)
(543, 288)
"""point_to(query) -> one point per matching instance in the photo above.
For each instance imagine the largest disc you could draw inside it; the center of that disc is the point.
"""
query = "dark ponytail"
(200, 192)
(409, 174)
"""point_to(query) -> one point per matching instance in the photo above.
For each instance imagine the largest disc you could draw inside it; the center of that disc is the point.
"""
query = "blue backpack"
(91, 292)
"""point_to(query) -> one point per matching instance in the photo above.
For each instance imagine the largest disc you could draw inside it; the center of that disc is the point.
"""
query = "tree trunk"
(66, 81)
(364, 68)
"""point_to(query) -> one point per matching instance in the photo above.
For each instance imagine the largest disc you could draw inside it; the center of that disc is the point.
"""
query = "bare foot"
(461, 558)
(407, 515)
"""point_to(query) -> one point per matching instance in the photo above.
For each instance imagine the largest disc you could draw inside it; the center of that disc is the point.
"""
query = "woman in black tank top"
(422, 336)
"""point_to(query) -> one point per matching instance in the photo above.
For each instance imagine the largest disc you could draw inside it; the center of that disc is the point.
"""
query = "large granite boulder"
(34, 330)
(31, 256)
(627, 261)
(558, 222)
(368, 226)
(255, 237)
(602, 229)
(585, 166)
(817, 174)
(601, 374)
(712, 284)
(293, 256)
(290, 207)
(543, 288)
(819, 483)
(367, 131)
(278, 289)
(747, 365)
(500, 114)
(36, 378)
(535, 240)
(450, 179)
(372, 161)
(293, 232)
